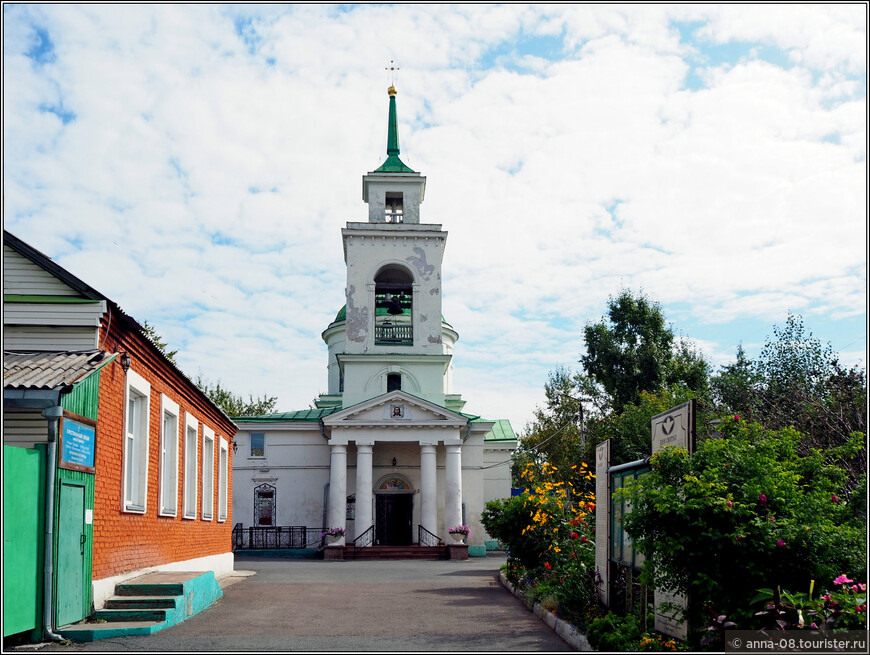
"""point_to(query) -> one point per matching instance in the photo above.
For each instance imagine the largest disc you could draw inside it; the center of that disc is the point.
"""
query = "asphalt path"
(283, 604)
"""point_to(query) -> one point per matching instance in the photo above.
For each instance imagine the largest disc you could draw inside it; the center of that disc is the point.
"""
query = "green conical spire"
(393, 163)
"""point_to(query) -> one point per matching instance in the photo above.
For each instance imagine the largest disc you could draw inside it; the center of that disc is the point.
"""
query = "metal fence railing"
(263, 537)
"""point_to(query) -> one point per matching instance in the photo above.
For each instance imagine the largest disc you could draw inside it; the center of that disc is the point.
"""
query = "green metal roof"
(501, 431)
(304, 415)
(393, 164)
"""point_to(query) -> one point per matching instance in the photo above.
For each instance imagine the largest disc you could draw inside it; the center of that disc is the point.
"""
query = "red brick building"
(139, 464)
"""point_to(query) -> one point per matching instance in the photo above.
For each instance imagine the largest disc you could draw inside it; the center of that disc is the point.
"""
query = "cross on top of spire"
(391, 68)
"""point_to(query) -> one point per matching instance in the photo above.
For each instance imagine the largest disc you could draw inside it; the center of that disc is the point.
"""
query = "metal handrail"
(427, 538)
(365, 539)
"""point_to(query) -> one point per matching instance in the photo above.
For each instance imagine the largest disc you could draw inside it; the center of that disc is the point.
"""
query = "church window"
(393, 307)
(394, 381)
(258, 444)
(394, 211)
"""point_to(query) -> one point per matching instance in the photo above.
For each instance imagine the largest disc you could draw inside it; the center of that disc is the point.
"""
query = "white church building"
(388, 454)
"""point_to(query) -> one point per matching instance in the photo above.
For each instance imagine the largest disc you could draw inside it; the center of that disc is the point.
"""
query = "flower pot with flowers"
(333, 535)
(459, 533)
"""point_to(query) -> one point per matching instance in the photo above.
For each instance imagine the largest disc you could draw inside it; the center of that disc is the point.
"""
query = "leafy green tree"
(155, 338)
(235, 405)
(633, 350)
(555, 435)
(735, 388)
(797, 381)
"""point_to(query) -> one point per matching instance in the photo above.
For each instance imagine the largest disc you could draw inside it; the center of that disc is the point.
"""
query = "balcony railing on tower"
(389, 335)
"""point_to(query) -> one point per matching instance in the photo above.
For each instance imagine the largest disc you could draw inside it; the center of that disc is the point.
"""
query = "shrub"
(744, 512)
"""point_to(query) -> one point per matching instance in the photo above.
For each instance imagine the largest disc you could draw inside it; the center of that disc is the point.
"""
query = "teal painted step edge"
(491, 545)
(197, 594)
(93, 632)
(477, 551)
(295, 553)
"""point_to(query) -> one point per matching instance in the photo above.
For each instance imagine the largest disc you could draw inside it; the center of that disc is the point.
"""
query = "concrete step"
(150, 589)
(130, 614)
(83, 632)
(148, 603)
(394, 552)
(142, 602)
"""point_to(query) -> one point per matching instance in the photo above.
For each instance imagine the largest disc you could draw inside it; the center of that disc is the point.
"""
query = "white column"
(336, 511)
(453, 484)
(363, 488)
(428, 489)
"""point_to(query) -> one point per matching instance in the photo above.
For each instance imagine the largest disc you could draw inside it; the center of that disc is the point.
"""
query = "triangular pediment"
(395, 409)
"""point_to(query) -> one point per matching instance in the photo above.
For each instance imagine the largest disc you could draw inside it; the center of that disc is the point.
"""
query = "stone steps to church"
(395, 552)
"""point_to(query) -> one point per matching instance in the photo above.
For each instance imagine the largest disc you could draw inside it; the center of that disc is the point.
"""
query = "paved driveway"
(313, 605)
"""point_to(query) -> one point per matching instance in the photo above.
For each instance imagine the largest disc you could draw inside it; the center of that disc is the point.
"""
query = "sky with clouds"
(196, 163)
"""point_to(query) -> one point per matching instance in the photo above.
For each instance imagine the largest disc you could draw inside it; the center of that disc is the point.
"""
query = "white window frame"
(168, 482)
(190, 488)
(223, 480)
(251, 450)
(134, 485)
(207, 473)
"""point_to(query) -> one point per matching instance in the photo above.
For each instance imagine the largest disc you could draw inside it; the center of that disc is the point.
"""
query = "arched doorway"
(394, 507)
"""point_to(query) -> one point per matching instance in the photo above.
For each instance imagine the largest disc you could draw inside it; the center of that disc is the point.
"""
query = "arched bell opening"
(394, 307)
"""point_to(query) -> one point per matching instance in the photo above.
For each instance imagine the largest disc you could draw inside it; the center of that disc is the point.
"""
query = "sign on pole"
(602, 522)
(673, 428)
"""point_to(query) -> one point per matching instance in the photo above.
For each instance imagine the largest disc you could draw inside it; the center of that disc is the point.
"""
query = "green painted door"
(71, 554)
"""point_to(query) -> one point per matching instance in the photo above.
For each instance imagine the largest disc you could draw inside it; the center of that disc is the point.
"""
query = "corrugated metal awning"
(50, 370)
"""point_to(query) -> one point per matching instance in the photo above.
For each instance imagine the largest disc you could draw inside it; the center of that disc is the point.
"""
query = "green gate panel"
(23, 537)
(71, 541)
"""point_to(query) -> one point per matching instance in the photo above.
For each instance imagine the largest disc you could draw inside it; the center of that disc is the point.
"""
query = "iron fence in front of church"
(268, 537)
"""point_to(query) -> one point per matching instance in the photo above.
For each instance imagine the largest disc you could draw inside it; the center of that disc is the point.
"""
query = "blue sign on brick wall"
(77, 445)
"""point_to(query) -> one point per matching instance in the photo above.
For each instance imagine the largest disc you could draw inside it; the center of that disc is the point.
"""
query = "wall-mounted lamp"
(235, 447)
(394, 461)
(125, 362)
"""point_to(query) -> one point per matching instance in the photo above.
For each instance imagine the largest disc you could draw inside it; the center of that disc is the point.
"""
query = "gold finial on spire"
(392, 90)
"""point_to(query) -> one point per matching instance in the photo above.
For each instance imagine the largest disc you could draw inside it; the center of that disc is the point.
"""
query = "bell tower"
(394, 335)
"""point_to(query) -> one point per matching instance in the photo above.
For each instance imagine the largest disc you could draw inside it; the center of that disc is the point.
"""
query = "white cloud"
(211, 155)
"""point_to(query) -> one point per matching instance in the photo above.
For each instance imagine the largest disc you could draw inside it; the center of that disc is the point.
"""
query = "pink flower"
(729, 504)
(762, 498)
(826, 597)
(780, 543)
(842, 580)
(814, 625)
(834, 499)
(737, 417)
